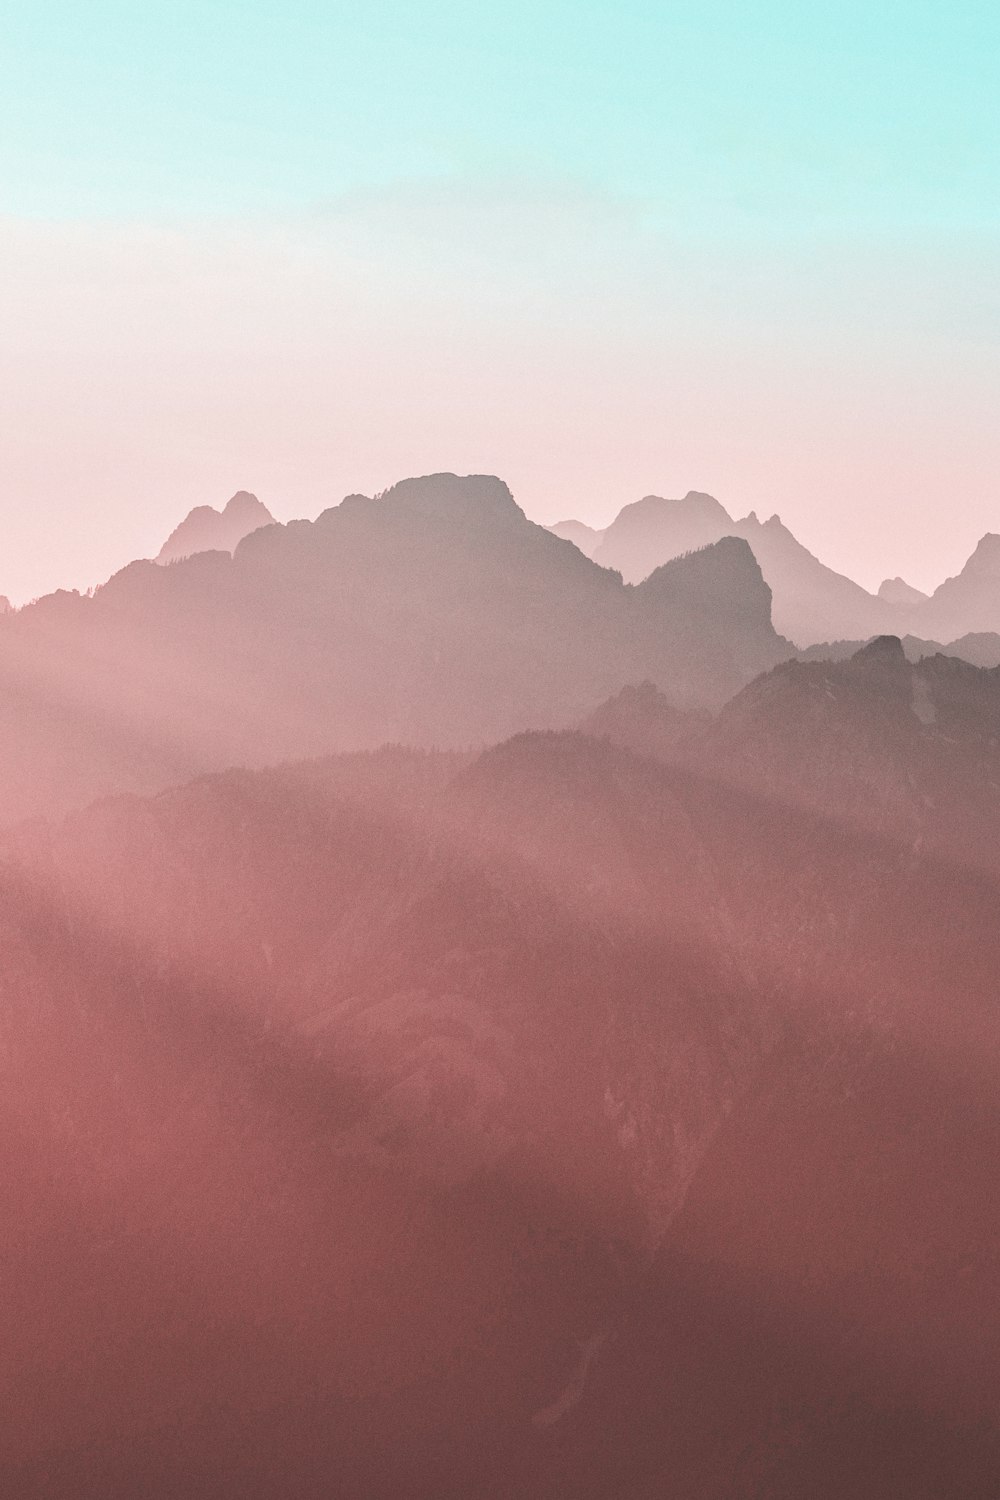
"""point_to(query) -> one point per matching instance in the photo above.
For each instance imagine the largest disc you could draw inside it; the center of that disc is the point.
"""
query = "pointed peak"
(985, 560)
(245, 505)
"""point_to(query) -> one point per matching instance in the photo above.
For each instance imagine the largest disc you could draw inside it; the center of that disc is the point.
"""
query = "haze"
(601, 251)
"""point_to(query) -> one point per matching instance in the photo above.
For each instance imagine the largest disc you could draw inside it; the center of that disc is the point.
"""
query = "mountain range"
(435, 614)
(812, 603)
(979, 649)
(475, 1025)
(206, 529)
(551, 1119)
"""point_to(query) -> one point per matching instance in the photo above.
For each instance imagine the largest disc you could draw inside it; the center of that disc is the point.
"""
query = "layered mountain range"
(594, 1115)
(435, 614)
(812, 603)
(474, 1025)
(206, 529)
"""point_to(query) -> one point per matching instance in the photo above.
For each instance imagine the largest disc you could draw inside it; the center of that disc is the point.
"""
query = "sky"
(600, 250)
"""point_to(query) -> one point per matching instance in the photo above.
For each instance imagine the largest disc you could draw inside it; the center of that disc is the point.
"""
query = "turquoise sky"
(601, 250)
(883, 113)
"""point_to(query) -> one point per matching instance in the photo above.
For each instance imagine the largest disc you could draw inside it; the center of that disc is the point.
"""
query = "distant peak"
(986, 558)
(244, 504)
(898, 591)
(585, 538)
(206, 529)
(694, 500)
(884, 648)
(454, 495)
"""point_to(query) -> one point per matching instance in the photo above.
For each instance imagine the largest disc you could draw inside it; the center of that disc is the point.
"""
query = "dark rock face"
(884, 650)
(979, 650)
(205, 529)
(435, 614)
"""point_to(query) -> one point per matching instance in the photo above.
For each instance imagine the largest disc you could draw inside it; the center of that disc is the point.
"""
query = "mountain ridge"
(812, 602)
(434, 614)
(206, 529)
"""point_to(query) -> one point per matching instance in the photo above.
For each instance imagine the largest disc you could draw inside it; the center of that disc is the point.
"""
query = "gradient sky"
(600, 250)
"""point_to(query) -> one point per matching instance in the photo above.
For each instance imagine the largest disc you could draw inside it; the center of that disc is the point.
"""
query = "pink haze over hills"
(148, 370)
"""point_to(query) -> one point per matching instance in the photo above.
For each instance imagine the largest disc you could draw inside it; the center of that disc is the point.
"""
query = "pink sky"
(556, 337)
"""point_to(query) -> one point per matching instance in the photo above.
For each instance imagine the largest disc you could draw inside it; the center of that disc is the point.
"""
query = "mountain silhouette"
(642, 719)
(898, 591)
(370, 1069)
(205, 529)
(581, 1084)
(810, 597)
(981, 650)
(582, 536)
(670, 1087)
(968, 603)
(435, 614)
(878, 741)
(654, 530)
(812, 603)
